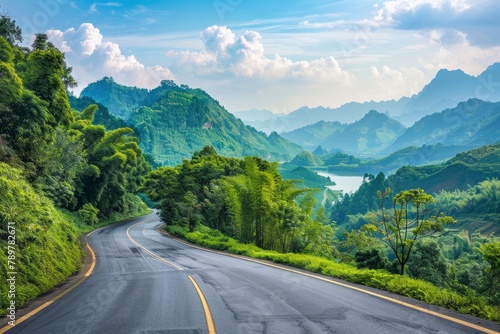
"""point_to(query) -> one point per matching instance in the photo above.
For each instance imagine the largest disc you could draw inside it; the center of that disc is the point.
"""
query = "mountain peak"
(447, 74)
(374, 115)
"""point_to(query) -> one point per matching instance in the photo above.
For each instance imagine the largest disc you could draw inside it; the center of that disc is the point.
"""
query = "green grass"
(380, 279)
(46, 247)
(47, 240)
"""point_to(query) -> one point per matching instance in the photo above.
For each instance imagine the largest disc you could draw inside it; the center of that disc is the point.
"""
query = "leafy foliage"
(409, 222)
(46, 245)
(52, 156)
(246, 199)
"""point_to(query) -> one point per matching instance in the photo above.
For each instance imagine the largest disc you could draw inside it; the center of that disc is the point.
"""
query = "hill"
(253, 115)
(175, 121)
(472, 123)
(311, 136)
(120, 100)
(102, 115)
(368, 136)
(464, 170)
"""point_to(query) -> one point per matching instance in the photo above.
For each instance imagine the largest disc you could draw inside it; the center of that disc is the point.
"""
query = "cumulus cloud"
(478, 20)
(244, 56)
(93, 58)
(397, 83)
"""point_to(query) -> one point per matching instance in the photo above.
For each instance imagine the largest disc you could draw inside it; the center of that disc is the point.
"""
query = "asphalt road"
(141, 284)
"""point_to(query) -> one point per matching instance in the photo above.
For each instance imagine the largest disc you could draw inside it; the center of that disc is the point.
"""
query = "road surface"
(147, 283)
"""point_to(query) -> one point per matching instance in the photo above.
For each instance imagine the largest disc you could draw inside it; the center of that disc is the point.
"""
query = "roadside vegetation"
(468, 303)
(61, 175)
(408, 242)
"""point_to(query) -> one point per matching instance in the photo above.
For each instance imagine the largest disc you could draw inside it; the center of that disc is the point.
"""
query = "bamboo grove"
(244, 198)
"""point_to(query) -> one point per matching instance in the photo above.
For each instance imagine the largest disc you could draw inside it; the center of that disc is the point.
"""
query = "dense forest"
(60, 174)
(243, 198)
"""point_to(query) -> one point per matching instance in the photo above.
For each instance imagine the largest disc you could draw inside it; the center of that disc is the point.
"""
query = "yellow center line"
(393, 300)
(206, 308)
(153, 255)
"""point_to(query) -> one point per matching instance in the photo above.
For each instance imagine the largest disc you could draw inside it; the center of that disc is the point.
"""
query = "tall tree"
(46, 73)
(410, 220)
(9, 30)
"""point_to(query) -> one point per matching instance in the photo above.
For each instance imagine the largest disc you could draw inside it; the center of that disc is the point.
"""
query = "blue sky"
(269, 55)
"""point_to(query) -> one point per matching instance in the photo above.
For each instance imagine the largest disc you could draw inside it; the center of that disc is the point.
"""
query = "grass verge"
(380, 279)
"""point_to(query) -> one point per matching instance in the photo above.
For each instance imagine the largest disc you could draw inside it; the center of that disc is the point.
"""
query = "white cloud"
(478, 20)
(93, 6)
(397, 83)
(226, 54)
(93, 58)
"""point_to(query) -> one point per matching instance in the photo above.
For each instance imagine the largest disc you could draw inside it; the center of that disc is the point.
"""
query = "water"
(345, 183)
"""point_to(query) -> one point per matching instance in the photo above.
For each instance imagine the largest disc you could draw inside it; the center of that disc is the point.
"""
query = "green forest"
(60, 174)
(173, 121)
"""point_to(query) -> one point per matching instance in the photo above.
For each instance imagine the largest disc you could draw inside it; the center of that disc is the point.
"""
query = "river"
(344, 183)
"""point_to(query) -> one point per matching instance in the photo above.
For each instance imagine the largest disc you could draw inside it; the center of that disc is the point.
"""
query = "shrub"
(89, 214)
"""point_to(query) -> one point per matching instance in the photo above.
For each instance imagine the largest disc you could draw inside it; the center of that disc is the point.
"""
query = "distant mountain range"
(446, 90)
(384, 144)
(175, 121)
(473, 123)
(368, 136)
(254, 115)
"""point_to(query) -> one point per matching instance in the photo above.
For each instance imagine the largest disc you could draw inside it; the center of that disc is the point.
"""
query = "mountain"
(102, 115)
(367, 136)
(347, 113)
(472, 123)
(445, 90)
(120, 100)
(464, 170)
(253, 115)
(175, 121)
(311, 136)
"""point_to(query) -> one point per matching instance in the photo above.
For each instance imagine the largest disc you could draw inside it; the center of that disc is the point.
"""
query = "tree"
(373, 258)
(46, 75)
(410, 221)
(9, 30)
(491, 254)
(427, 262)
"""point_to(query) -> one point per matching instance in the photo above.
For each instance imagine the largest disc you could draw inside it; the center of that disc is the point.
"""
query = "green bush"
(89, 214)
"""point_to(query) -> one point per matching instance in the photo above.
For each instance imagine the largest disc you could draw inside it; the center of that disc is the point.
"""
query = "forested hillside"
(472, 123)
(465, 170)
(175, 121)
(368, 136)
(59, 172)
(458, 257)
(121, 100)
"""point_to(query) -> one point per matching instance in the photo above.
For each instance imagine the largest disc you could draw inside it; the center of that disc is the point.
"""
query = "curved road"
(147, 283)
